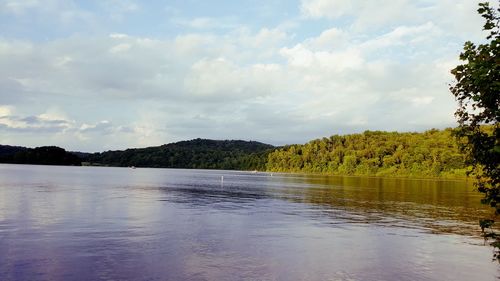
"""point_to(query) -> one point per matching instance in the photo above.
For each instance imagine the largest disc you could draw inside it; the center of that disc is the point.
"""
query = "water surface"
(94, 223)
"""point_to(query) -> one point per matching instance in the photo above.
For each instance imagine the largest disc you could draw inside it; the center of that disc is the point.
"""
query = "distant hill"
(45, 155)
(7, 150)
(192, 154)
(433, 153)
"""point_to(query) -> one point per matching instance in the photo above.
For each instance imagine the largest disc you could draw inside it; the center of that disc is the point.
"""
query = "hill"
(433, 153)
(45, 155)
(193, 154)
(7, 150)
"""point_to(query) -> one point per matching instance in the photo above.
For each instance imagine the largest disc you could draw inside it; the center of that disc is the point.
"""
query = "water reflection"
(83, 223)
(441, 206)
(437, 205)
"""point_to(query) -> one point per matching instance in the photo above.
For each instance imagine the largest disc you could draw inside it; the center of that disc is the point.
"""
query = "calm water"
(87, 223)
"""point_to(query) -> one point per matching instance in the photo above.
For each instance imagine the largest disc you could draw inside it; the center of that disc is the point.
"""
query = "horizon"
(245, 140)
(110, 75)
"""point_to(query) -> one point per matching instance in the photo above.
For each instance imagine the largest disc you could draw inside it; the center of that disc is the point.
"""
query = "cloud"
(376, 14)
(5, 111)
(326, 8)
(332, 38)
(119, 48)
(118, 9)
(104, 125)
(118, 36)
(19, 7)
(326, 73)
(220, 79)
(207, 23)
(406, 36)
(58, 10)
(57, 129)
(206, 85)
(120, 6)
(425, 100)
(33, 124)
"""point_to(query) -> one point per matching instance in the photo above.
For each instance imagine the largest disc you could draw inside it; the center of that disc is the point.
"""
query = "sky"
(96, 75)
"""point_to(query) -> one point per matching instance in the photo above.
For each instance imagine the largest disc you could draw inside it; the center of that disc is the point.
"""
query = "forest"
(433, 153)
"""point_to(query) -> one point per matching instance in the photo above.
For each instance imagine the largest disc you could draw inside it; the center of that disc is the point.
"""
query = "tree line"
(45, 155)
(433, 153)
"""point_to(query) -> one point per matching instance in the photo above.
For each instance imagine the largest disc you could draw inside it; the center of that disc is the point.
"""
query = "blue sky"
(109, 74)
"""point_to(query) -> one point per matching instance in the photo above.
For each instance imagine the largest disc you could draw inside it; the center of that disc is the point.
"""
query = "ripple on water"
(77, 223)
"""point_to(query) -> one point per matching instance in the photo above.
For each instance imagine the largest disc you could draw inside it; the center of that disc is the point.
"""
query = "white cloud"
(103, 126)
(334, 61)
(425, 100)
(219, 79)
(118, 36)
(40, 123)
(326, 8)
(19, 7)
(204, 88)
(5, 110)
(405, 36)
(206, 23)
(54, 113)
(276, 84)
(62, 61)
(265, 37)
(119, 48)
(121, 5)
(118, 9)
(456, 15)
(193, 44)
(333, 38)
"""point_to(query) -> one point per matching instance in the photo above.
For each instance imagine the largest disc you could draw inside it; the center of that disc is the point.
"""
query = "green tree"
(477, 90)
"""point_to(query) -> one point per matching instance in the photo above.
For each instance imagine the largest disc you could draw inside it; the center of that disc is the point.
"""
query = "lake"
(97, 223)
